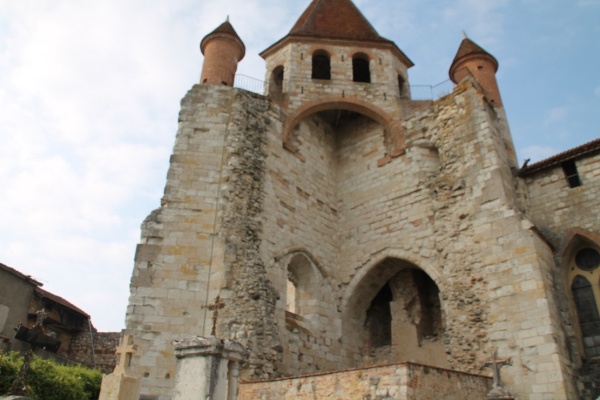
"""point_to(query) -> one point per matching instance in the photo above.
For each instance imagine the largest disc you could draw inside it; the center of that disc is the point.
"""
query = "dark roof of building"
(224, 29)
(577, 152)
(20, 274)
(59, 300)
(337, 19)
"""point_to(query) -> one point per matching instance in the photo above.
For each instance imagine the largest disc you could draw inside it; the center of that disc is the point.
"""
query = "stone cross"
(19, 385)
(125, 352)
(215, 309)
(495, 364)
(41, 317)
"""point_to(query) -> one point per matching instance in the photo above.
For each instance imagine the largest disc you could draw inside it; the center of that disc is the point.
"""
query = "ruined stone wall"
(459, 224)
(179, 261)
(102, 356)
(301, 217)
(399, 381)
(239, 206)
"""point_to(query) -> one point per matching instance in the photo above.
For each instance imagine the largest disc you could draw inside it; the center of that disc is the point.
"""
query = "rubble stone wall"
(400, 381)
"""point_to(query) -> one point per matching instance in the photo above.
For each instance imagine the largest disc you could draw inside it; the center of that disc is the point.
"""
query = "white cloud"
(555, 115)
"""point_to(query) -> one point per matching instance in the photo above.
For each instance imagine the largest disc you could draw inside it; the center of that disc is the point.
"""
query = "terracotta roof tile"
(576, 152)
(338, 20)
(335, 19)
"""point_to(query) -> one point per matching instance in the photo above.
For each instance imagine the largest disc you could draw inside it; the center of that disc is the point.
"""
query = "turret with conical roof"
(223, 50)
(472, 60)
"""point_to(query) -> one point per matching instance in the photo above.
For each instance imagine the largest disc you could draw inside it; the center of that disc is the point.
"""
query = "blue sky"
(90, 91)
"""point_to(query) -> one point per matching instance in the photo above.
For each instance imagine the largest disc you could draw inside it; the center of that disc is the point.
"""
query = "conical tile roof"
(338, 20)
(469, 48)
(224, 29)
(335, 19)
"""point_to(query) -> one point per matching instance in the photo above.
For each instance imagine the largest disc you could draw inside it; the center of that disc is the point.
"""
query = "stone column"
(207, 368)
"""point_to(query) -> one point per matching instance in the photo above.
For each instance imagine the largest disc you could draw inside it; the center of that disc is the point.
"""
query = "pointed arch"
(392, 311)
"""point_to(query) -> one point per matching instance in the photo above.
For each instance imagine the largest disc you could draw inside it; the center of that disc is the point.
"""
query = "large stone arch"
(370, 261)
(404, 282)
(394, 132)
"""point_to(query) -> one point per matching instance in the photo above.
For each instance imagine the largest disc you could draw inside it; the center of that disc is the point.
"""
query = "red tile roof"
(576, 152)
(336, 19)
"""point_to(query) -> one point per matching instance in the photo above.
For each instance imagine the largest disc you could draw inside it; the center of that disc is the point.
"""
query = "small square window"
(570, 170)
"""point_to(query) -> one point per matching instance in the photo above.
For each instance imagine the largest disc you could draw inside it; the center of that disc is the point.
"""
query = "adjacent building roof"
(41, 292)
(571, 154)
(20, 275)
(59, 300)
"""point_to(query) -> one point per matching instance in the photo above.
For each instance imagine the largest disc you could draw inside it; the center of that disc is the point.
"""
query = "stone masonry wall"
(179, 261)
(300, 89)
(400, 381)
(239, 206)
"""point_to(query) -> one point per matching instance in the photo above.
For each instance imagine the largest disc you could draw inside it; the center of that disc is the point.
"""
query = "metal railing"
(417, 92)
(431, 92)
(248, 83)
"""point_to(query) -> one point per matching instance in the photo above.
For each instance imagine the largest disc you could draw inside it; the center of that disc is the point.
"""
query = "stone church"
(345, 225)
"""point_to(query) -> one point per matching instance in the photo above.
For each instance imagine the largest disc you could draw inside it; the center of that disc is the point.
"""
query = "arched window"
(301, 290)
(360, 68)
(402, 89)
(276, 81)
(321, 65)
(585, 290)
(291, 298)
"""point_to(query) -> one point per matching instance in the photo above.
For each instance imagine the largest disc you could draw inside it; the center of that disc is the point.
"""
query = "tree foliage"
(50, 381)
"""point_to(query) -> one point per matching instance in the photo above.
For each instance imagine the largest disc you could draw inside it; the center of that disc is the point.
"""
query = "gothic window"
(585, 290)
(360, 68)
(321, 65)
